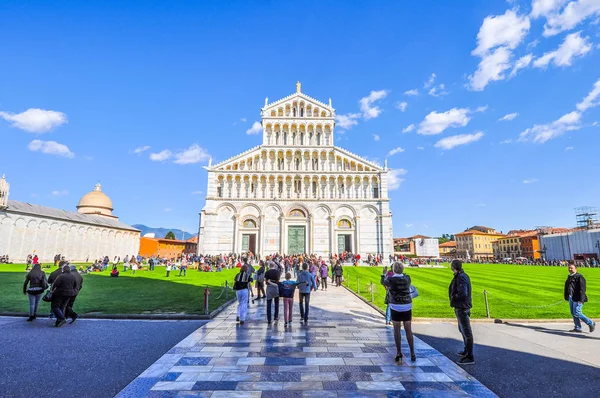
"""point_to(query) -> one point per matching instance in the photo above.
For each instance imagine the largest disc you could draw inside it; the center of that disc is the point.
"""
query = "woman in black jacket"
(36, 279)
(400, 301)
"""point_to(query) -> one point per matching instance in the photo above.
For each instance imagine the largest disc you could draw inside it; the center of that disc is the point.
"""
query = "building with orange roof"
(477, 243)
(171, 249)
(518, 243)
(448, 249)
(191, 245)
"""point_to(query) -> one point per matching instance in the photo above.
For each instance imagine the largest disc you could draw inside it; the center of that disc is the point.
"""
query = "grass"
(514, 292)
(146, 292)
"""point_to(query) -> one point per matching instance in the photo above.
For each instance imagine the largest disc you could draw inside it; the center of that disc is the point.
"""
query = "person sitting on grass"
(115, 272)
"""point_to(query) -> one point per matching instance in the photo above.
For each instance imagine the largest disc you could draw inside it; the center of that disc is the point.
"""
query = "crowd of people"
(589, 262)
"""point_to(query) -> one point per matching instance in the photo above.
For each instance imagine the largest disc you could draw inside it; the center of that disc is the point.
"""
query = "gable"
(311, 107)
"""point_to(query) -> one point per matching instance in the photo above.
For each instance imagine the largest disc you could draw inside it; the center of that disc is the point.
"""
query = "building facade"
(448, 249)
(476, 243)
(171, 249)
(88, 234)
(577, 244)
(297, 192)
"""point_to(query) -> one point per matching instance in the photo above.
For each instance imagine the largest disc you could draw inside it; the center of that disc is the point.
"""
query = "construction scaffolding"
(587, 217)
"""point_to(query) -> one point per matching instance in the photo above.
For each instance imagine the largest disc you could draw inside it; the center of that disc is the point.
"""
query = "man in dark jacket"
(575, 294)
(460, 299)
(69, 313)
(63, 288)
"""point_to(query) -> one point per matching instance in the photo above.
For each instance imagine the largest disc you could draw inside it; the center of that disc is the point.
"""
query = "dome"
(95, 202)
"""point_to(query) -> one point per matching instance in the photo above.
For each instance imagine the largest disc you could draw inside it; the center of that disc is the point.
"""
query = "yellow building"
(163, 248)
(448, 249)
(476, 243)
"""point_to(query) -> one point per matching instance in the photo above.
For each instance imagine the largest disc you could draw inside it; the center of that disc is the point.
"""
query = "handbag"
(48, 296)
(413, 292)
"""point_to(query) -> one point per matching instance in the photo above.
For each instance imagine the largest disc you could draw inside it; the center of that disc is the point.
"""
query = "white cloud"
(457, 140)
(50, 148)
(521, 63)
(243, 119)
(402, 106)
(141, 149)
(429, 81)
(408, 225)
(533, 44)
(491, 68)
(508, 116)
(412, 92)
(194, 154)
(375, 137)
(507, 30)
(530, 181)
(408, 128)
(62, 192)
(592, 99)
(569, 148)
(573, 14)
(161, 156)
(545, 7)
(394, 179)
(497, 37)
(436, 123)
(35, 120)
(367, 104)
(572, 47)
(347, 121)
(168, 209)
(420, 148)
(395, 151)
(482, 108)
(437, 91)
(541, 133)
(255, 129)
(506, 142)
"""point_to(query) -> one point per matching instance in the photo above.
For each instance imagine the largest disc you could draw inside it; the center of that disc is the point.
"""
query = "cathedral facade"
(297, 192)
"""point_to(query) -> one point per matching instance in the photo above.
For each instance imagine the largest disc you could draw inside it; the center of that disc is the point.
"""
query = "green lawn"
(513, 291)
(143, 293)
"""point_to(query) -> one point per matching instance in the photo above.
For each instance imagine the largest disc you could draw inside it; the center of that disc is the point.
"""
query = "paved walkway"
(345, 350)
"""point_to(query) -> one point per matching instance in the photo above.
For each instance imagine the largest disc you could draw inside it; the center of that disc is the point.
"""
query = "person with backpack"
(324, 271)
(34, 287)
(286, 291)
(308, 283)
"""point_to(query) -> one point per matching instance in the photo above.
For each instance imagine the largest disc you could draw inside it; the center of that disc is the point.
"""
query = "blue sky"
(85, 84)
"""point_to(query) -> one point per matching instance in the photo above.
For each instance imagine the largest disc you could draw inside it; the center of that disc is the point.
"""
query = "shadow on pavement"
(553, 331)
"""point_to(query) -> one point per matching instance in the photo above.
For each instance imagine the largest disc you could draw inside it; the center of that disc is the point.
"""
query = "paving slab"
(344, 349)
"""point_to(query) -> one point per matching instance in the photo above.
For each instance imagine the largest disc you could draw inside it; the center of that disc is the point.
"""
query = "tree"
(170, 235)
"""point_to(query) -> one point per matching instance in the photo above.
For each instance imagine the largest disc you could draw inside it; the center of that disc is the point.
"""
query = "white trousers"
(242, 296)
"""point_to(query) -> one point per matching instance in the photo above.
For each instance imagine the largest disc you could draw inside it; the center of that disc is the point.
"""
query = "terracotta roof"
(193, 239)
(476, 232)
(183, 242)
(419, 237)
(451, 243)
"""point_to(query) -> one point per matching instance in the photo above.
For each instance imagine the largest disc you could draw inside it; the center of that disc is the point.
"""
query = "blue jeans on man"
(463, 316)
(577, 314)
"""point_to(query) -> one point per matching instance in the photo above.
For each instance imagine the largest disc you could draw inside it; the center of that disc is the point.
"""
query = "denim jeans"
(464, 326)
(242, 296)
(304, 305)
(59, 304)
(388, 313)
(577, 314)
(34, 302)
(269, 305)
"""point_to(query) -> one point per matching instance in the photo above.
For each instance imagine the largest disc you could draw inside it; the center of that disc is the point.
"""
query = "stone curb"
(155, 317)
(453, 320)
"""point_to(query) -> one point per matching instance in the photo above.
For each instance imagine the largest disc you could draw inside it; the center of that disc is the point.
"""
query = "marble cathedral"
(297, 192)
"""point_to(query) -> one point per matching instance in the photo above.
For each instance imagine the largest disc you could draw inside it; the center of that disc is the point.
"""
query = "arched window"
(249, 224)
(297, 213)
(344, 224)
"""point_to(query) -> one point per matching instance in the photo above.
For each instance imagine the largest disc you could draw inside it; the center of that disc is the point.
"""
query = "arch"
(344, 222)
(250, 222)
(226, 204)
(352, 209)
(375, 209)
(297, 206)
(325, 208)
(251, 206)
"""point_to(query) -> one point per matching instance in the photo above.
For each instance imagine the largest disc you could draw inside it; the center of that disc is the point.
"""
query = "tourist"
(63, 289)
(388, 310)
(36, 279)
(575, 294)
(168, 267)
(287, 289)
(183, 267)
(460, 300)
(134, 265)
(125, 263)
(240, 285)
(28, 262)
(338, 272)
(272, 279)
(308, 283)
(314, 270)
(69, 313)
(400, 302)
(260, 281)
(324, 271)
(115, 272)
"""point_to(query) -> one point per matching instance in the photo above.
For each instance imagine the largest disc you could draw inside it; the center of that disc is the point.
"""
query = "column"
(281, 235)
(261, 235)
(311, 234)
(357, 231)
(236, 218)
(332, 235)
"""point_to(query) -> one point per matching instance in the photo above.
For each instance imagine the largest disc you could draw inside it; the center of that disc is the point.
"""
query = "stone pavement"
(345, 350)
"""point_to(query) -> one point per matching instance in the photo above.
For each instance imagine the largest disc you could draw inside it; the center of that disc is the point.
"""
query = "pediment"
(300, 99)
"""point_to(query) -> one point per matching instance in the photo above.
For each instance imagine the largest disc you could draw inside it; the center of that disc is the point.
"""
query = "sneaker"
(592, 327)
(576, 331)
(73, 319)
(466, 361)
(462, 353)
(31, 318)
(237, 318)
(241, 322)
(285, 325)
(60, 323)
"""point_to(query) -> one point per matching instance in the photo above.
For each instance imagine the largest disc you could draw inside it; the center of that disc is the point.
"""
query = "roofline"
(299, 94)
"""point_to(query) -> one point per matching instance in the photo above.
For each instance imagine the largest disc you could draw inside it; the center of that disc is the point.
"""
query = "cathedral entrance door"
(296, 239)
(344, 243)
(249, 243)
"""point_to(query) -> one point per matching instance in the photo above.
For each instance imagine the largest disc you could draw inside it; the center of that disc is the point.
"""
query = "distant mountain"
(162, 232)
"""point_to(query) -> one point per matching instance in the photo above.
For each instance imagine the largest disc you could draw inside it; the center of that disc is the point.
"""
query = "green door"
(296, 239)
(341, 243)
(245, 242)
